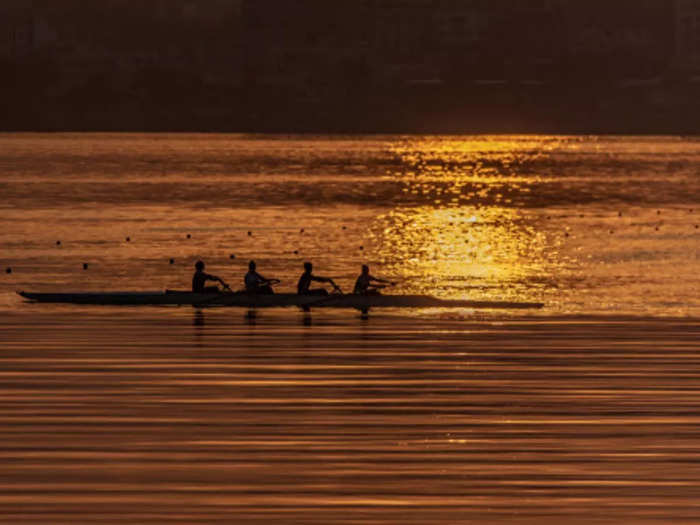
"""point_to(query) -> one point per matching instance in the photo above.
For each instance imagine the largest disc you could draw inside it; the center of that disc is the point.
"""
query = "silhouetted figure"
(364, 285)
(199, 278)
(307, 277)
(256, 283)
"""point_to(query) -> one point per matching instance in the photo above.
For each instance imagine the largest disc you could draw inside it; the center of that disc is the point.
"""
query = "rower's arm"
(208, 277)
(376, 279)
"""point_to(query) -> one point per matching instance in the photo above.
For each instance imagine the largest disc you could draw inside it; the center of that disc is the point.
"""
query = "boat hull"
(171, 298)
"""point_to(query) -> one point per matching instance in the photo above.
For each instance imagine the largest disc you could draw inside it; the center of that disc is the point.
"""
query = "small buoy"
(362, 247)
(128, 239)
(9, 270)
(566, 234)
(581, 216)
(619, 214)
(696, 226)
(549, 216)
(611, 232)
(58, 243)
(658, 212)
(345, 227)
(172, 261)
(250, 234)
(296, 252)
(231, 256)
(657, 228)
(301, 231)
(85, 266)
(189, 236)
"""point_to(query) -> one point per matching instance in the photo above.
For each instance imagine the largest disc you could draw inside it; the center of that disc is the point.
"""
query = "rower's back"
(363, 281)
(304, 282)
(200, 278)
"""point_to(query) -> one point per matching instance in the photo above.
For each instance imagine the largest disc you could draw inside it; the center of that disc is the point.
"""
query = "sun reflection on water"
(452, 251)
(465, 235)
(451, 171)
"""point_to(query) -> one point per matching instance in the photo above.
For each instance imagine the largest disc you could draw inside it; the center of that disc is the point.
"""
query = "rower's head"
(308, 267)
(199, 266)
(251, 266)
(365, 269)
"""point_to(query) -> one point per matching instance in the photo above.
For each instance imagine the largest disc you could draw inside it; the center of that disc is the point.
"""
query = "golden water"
(198, 417)
(585, 411)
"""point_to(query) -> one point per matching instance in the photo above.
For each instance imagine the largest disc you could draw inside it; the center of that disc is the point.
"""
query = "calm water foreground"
(586, 410)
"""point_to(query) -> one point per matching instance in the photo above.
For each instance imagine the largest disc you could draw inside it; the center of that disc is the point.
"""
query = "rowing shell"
(176, 298)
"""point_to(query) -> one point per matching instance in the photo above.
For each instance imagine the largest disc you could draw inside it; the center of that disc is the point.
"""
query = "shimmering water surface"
(586, 410)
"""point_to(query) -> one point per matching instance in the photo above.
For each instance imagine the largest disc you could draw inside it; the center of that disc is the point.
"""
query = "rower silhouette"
(303, 287)
(364, 285)
(256, 283)
(199, 278)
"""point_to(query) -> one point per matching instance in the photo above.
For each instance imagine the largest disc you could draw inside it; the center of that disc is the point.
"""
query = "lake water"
(585, 410)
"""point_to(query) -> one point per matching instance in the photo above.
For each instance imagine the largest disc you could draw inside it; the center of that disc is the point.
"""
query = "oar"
(213, 300)
(327, 298)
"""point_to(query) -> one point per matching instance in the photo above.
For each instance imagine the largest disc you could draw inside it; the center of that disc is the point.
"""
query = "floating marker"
(296, 252)
(189, 236)
(58, 243)
(566, 234)
(250, 234)
(657, 228)
(362, 247)
(128, 239)
(619, 214)
(658, 212)
(85, 266)
(231, 256)
(611, 232)
(581, 216)
(301, 231)
(9, 270)
(172, 261)
(345, 227)
(696, 226)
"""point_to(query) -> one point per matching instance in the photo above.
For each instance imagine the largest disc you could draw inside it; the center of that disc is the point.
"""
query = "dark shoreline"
(351, 133)
(561, 109)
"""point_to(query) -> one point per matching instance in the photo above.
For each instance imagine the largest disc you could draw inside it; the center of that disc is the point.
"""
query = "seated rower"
(256, 283)
(364, 285)
(307, 277)
(199, 278)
